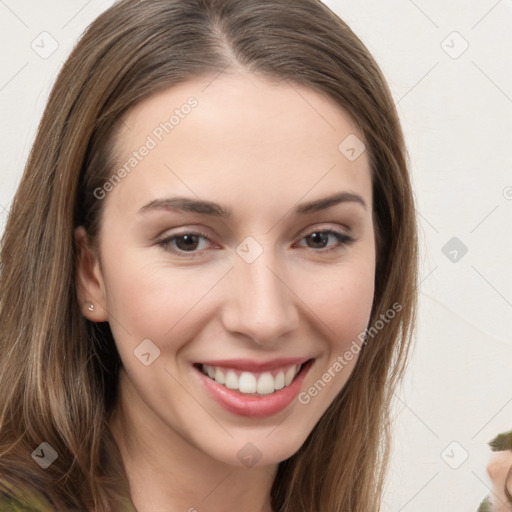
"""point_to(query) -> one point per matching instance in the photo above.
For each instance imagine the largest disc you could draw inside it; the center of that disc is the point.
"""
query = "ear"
(89, 279)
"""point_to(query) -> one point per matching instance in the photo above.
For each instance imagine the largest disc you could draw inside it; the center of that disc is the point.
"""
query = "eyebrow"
(210, 208)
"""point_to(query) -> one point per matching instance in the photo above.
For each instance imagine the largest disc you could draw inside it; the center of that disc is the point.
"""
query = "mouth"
(257, 382)
(266, 390)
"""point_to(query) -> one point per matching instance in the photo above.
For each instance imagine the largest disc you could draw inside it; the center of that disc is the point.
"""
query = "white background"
(457, 118)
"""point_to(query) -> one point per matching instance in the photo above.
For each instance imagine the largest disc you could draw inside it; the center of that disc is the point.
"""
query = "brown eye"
(319, 239)
(183, 243)
(187, 242)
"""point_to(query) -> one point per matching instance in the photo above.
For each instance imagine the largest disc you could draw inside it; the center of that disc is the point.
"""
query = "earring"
(91, 307)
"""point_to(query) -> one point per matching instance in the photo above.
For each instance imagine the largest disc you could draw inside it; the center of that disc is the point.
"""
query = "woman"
(209, 268)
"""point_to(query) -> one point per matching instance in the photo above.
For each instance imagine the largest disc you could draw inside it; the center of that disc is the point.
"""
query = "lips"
(261, 393)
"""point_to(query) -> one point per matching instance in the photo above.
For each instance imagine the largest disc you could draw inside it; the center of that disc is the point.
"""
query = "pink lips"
(255, 406)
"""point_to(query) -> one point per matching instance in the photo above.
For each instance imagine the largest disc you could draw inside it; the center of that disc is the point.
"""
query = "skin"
(498, 467)
(260, 148)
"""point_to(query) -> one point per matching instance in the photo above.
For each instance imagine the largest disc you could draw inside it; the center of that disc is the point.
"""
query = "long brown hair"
(58, 371)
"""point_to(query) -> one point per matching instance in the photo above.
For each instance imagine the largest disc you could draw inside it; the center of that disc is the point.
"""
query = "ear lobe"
(89, 279)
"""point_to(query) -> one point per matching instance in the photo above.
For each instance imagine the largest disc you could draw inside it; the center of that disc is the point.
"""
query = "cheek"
(350, 305)
(342, 305)
(148, 298)
(342, 301)
(342, 308)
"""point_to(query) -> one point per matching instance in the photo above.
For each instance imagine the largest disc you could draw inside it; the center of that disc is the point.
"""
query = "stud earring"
(91, 307)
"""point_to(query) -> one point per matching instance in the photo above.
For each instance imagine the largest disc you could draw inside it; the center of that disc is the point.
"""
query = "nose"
(261, 304)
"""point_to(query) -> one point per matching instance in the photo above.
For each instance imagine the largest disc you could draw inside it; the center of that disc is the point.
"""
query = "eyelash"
(342, 238)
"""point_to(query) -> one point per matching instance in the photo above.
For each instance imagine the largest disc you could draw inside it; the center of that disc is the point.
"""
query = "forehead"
(237, 136)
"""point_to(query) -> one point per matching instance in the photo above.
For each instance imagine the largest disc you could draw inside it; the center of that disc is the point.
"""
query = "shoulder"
(485, 506)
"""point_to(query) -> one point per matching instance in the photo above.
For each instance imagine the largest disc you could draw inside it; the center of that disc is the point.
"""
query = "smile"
(261, 383)
(251, 389)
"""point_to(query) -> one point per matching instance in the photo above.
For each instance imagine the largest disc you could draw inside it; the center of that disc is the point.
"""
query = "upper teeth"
(248, 382)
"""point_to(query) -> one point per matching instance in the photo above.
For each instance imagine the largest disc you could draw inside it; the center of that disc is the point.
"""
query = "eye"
(319, 239)
(183, 243)
(190, 242)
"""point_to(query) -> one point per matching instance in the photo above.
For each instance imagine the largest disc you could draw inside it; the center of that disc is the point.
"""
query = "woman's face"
(219, 247)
